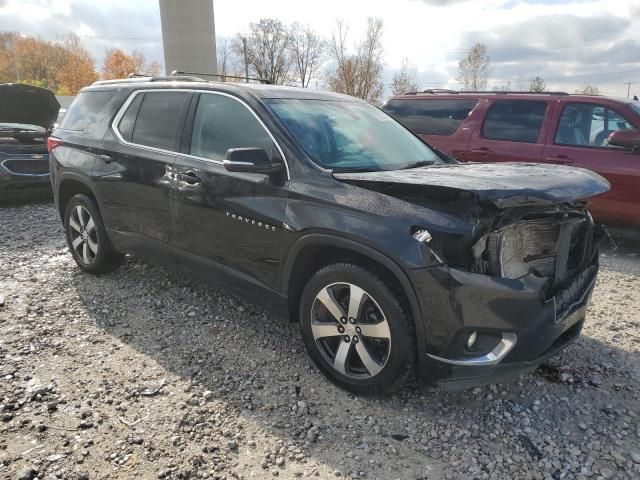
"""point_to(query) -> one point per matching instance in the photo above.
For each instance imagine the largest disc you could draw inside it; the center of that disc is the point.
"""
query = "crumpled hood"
(502, 184)
(25, 104)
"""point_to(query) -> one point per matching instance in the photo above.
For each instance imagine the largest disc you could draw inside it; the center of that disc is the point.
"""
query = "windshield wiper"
(422, 163)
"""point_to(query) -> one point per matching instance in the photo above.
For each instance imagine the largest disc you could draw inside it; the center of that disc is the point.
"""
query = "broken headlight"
(443, 248)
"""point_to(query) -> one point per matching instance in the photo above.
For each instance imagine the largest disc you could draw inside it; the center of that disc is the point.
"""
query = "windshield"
(351, 136)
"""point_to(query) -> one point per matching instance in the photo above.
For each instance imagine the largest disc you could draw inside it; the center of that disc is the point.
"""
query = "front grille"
(27, 166)
(552, 248)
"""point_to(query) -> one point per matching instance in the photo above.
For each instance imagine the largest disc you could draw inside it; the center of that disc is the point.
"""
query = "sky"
(568, 43)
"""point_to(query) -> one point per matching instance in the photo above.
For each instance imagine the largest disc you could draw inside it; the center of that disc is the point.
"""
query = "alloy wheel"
(350, 330)
(83, 234)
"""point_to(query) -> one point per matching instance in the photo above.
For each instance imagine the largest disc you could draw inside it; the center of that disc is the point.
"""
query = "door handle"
(189, 177)
(482, 151)
(560, 159)
(106, 158)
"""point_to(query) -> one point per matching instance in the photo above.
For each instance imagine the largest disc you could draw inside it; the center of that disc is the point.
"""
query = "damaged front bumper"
(515, 326)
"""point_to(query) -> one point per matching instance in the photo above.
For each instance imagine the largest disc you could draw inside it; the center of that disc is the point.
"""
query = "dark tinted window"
(85, 110)
(128, 121)
(431, 117)
(588, 125)
(222, 123)
(515, 120)
(158, 119)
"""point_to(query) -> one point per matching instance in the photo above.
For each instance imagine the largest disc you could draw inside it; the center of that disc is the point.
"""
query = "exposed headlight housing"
(444, 248)
(423, 236)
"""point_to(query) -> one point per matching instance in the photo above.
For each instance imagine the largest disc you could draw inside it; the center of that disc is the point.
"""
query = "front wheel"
(87, 238)
(356, 329)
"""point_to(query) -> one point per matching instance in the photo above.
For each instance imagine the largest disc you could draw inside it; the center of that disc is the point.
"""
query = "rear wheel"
(87, 238)
(356, 329)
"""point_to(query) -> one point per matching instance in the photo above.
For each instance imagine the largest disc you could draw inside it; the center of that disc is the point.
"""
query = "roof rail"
(484, 92)
(177, 73)
(174, 76)
(135, 79)
(177, 78)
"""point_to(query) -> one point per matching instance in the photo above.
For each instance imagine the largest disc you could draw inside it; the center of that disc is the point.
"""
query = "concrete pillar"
(188, 35)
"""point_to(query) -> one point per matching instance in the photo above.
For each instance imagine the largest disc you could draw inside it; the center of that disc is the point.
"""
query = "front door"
(227, 225)
(581, 140)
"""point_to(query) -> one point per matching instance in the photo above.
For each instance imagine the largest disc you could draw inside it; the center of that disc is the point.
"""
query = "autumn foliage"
(118, 64)
(64, 66)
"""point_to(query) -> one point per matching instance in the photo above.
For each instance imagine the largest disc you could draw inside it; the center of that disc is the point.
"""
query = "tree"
(63, 66)
(537, 85)
(225, 58)
(360, 73)
(307, 52)
(77, 68)
(268, 50)
(404, 80)
(474, 69)
(118, 64)
(589, 90)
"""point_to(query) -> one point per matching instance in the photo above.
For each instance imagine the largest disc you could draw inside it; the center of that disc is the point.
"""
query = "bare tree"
(474, 69)
(404, 80)
(307, 51)
(537, 85)
(589, 90)
(505, 87)
(227, 59)
(360, 73)
(268, 50)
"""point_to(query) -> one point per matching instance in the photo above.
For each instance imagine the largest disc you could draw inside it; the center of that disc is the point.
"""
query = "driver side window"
(588, 125)
(222, 123)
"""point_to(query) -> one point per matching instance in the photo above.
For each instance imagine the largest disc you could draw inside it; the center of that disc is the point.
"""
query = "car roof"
(262, 91)
(450, 94)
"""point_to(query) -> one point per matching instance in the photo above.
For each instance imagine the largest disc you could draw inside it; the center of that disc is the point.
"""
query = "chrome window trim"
(129, 100)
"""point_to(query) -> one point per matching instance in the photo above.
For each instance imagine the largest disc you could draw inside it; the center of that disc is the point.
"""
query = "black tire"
(396, 367)
(105, 258)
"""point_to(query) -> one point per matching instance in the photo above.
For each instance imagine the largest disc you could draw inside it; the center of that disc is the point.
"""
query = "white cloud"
(523, 36)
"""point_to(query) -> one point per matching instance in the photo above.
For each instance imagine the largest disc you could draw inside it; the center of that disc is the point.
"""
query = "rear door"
(580, 139)
(228, 225)
(512, 131)
(133, 176)
(442, 122)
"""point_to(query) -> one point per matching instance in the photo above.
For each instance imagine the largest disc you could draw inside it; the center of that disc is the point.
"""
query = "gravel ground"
(146, 373)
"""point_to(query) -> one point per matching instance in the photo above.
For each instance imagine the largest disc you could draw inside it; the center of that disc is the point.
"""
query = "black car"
(393, 257)
(27, 115)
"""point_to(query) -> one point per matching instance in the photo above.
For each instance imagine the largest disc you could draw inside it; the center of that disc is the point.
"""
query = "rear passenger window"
(515, 120)
(431, 117)
(222, 123)
(158, 119)
(125, 127)
(85, 110)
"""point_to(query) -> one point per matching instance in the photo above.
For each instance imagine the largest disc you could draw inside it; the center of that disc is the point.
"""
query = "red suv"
(545, 127)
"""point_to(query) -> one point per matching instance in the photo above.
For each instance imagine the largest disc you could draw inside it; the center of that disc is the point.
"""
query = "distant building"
(188, 35)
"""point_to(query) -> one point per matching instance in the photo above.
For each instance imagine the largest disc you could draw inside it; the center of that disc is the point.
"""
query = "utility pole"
(246, 63)
(628, 84)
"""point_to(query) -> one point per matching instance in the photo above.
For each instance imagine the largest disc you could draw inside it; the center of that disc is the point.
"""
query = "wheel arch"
(314, 251)
(71, 185)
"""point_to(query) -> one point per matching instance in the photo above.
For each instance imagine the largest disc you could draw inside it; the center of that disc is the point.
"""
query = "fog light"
(472, 339)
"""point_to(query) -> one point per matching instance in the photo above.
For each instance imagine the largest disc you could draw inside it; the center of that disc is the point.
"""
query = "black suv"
(393, 257)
